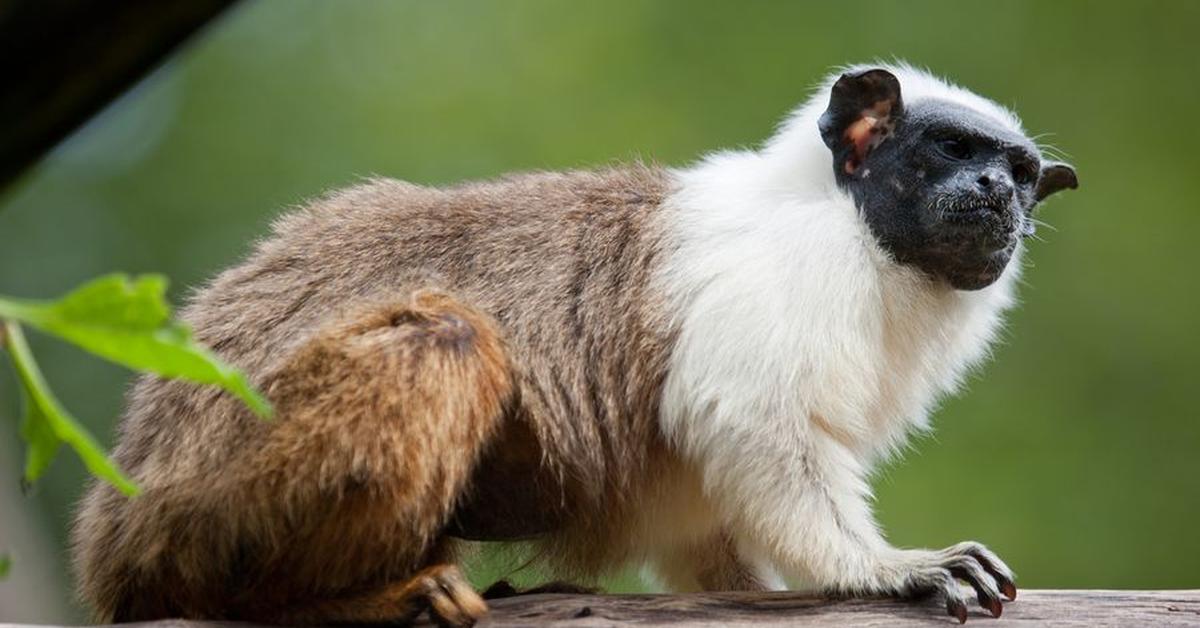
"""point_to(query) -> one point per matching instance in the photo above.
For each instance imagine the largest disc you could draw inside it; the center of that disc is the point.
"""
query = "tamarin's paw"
(452, 600)
(937, 573)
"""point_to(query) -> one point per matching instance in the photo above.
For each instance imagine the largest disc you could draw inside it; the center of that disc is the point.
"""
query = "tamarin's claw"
(956, 609)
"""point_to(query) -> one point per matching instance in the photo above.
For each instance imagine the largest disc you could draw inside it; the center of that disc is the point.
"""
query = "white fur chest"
(792, 318)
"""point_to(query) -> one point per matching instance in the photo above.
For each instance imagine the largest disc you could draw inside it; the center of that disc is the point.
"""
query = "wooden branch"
(1062, 608)
(62, 60)
(1059, 608)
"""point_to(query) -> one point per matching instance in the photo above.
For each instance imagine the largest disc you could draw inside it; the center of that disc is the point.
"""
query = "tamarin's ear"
(1055, 176)
(863, 110)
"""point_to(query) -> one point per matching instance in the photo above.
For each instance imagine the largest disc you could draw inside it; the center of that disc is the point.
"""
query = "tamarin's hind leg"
(381, 419)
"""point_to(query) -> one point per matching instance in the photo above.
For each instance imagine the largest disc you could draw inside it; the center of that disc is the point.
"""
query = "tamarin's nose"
(995, 183)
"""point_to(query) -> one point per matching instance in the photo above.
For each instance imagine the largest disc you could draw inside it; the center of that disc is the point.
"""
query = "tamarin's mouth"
(981, 231)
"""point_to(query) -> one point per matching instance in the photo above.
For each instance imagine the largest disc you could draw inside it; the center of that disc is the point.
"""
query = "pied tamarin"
(692, 369)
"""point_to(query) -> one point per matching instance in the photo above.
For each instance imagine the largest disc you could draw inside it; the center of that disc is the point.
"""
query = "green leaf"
(40, 442)
(5, 565)
(47, 423)
(116, 302)
(128, 322)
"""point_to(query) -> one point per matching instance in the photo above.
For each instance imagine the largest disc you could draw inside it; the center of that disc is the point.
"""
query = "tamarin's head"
(946, 181)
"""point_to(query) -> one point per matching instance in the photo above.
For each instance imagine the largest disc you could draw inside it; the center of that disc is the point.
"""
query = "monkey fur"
(690, 369)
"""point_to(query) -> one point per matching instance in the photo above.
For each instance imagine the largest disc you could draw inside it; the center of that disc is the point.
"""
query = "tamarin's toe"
(452, 600)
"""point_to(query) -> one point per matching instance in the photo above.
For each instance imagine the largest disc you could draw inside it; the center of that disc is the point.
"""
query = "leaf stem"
(27, 368)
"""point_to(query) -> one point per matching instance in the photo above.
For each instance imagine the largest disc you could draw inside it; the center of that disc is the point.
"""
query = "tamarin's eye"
(1024, 173)
(956, 148)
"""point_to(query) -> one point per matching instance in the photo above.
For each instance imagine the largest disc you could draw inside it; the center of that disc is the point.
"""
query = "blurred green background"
(1073, 454)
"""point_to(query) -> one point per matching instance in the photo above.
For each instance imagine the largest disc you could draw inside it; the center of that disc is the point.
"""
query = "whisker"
(1054, 152)
(1042, 223)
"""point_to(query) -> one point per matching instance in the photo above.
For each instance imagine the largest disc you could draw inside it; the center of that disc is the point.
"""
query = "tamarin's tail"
(338, 515)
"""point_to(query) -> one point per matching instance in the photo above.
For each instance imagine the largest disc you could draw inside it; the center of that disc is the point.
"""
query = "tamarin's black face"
(943, 187)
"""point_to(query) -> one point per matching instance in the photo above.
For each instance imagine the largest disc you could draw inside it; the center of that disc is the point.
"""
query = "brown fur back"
(559, 263)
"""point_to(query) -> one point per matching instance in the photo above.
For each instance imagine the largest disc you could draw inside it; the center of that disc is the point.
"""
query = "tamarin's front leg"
(805, 502)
